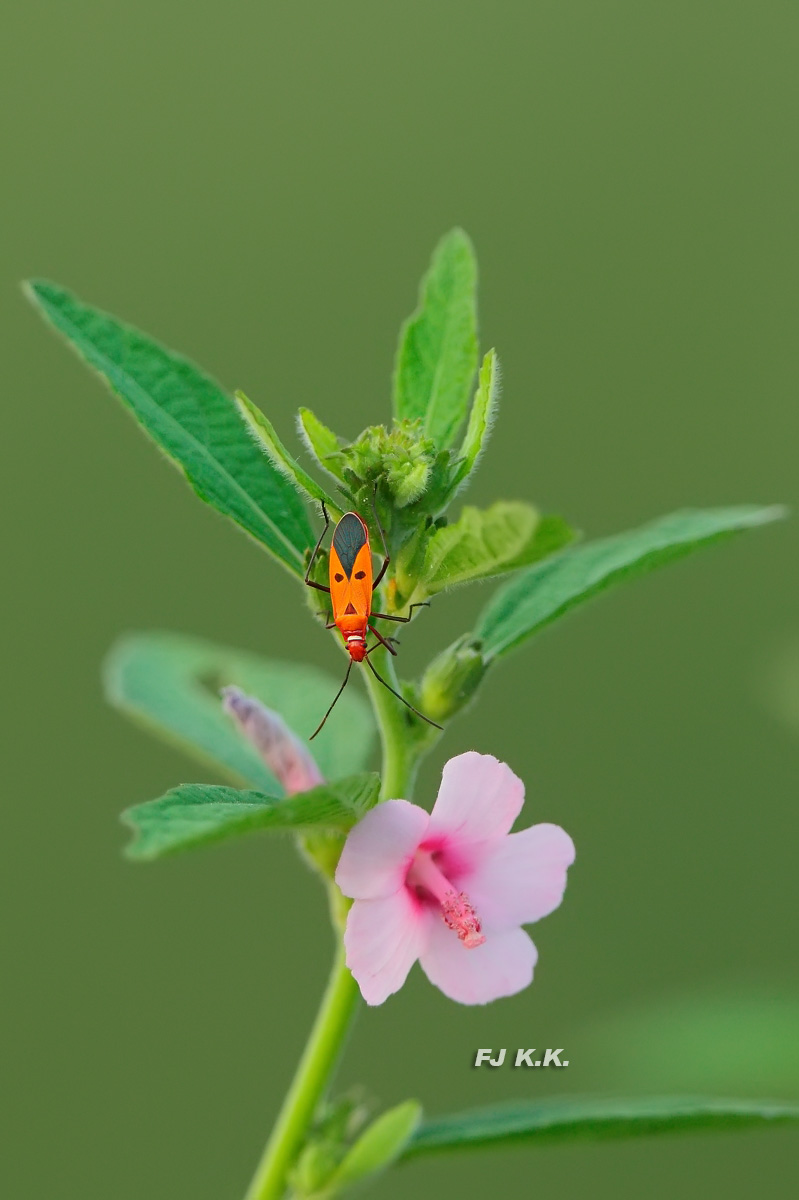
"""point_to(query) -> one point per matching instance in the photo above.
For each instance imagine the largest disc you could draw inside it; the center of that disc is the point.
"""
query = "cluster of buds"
(399, 477)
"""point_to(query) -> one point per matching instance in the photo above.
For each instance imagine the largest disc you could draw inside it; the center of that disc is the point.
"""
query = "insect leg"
(385, 641)
(386, 558)
(407, 703)
(320, 587)
(403, 620)
(333, 705)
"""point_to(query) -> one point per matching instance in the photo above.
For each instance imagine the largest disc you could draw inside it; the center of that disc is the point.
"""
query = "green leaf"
(196, 814)
(481, 419)
(548, 590)
(322, 443)
(378, 1146)
(684, 1042)
(170, 683)
(486, 542)
(596, 1118)
(265, 436)
(190, 417)
(437, 355)
(779, 685)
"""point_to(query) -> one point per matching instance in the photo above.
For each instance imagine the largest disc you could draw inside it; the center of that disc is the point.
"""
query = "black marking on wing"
(348, 540)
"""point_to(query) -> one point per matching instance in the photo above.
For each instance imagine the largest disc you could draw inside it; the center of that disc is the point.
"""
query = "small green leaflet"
(549, 589)
(486, 542)
(170, 683)
(321, 442)
(265, 436)
(197, 814)
(191, 418)
(378, 1146)
(538, 1122)
(481, 419)
(437, 354)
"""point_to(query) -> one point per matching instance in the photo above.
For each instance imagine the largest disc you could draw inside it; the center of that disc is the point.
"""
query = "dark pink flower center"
(431, 884)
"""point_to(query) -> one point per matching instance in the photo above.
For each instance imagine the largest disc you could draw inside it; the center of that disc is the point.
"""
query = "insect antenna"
(399, 697)
(333, 705)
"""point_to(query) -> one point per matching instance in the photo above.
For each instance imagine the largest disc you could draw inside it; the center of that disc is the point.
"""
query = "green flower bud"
(452, 678)
(407, 480)
(402, 457)
(340, 1121)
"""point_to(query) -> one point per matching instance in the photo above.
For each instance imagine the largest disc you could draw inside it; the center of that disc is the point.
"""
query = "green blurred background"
(260, 186)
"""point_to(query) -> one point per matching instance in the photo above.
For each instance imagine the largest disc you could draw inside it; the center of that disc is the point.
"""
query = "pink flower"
(451, 888)
(283, 753)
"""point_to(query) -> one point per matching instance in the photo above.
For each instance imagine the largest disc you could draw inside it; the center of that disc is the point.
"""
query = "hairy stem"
(401, 752)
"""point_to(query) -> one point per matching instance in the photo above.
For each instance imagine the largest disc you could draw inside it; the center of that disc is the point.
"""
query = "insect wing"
(350, 568)
(361, 582)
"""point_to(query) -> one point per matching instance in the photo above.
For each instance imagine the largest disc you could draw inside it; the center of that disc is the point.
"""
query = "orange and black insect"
(350, 591)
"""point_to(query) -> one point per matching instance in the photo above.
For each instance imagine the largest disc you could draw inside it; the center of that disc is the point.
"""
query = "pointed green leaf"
(486, 542)
(170, 683)
(378, 1146)
(197, 814)
(595, 1118)
(548, 590)
(190, 417)
(437, 355)
(481, 418)
(322, 443)
(265, 436)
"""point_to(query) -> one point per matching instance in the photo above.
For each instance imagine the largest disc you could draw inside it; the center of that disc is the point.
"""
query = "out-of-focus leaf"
(190, 417)
(779, 684)
(437, 355)
(377, 1147)
(548, 590)
(726, 1042)
(171, 683)
(196, 814)
(595, 1118)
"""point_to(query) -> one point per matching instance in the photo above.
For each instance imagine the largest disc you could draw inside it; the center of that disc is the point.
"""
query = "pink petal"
(502, 966)
(522, 878)
(478, 801)
(378, 852)
(383, 940)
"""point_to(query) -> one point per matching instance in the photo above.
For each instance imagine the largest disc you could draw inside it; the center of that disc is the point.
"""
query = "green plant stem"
(340, 1002)
(400, 750)
(313, 1074)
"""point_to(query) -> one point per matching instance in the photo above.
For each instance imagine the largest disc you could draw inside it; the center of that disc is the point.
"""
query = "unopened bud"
(407, 480)
(314, 1166)
(401, 457)
(452, 678)
(281, 750)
